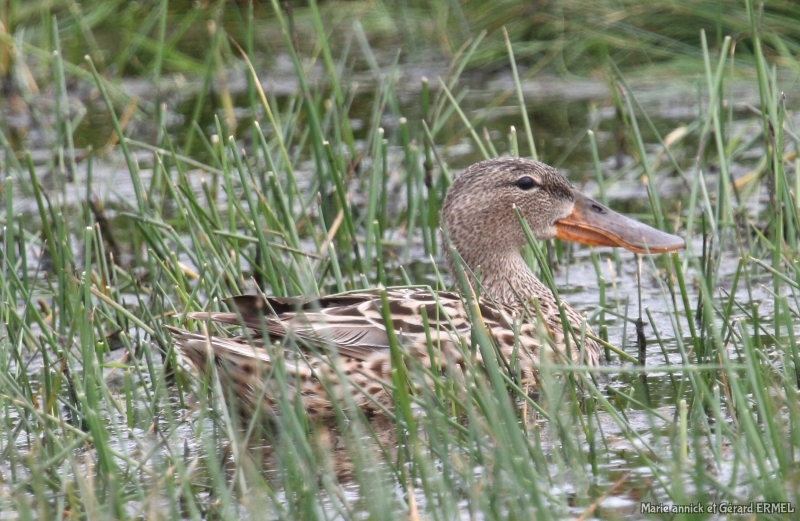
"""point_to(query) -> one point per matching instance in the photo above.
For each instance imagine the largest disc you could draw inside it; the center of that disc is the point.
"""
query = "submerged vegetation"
(123, 213)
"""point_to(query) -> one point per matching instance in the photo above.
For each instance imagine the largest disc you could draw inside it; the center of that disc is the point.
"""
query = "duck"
(337, 344)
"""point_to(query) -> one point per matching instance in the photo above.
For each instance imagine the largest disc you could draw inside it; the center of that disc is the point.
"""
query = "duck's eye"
(526, 183)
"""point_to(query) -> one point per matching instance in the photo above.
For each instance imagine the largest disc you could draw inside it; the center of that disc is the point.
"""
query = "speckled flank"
(479, 218)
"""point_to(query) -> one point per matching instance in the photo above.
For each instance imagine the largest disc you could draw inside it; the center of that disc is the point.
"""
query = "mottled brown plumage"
(343, 343)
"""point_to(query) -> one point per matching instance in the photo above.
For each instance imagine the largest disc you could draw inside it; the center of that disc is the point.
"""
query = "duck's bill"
(592, 223)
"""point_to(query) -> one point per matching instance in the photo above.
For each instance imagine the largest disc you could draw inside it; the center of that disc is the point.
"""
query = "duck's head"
(480, 220)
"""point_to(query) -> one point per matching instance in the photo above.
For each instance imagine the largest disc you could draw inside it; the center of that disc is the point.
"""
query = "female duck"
(343, 341)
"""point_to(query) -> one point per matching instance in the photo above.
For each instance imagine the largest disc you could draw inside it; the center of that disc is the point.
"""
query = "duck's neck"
(508, 279)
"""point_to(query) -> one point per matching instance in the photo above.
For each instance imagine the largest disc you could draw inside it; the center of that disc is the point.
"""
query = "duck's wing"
(243, 370)
(350, 322)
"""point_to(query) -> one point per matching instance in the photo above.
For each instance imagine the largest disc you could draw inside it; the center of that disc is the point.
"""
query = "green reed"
(98, 418)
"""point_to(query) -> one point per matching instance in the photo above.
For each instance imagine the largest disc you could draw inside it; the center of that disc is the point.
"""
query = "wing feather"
(352, 323)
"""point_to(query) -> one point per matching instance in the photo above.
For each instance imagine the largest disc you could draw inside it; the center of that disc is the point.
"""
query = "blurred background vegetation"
(188, 50)
(567, 37)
